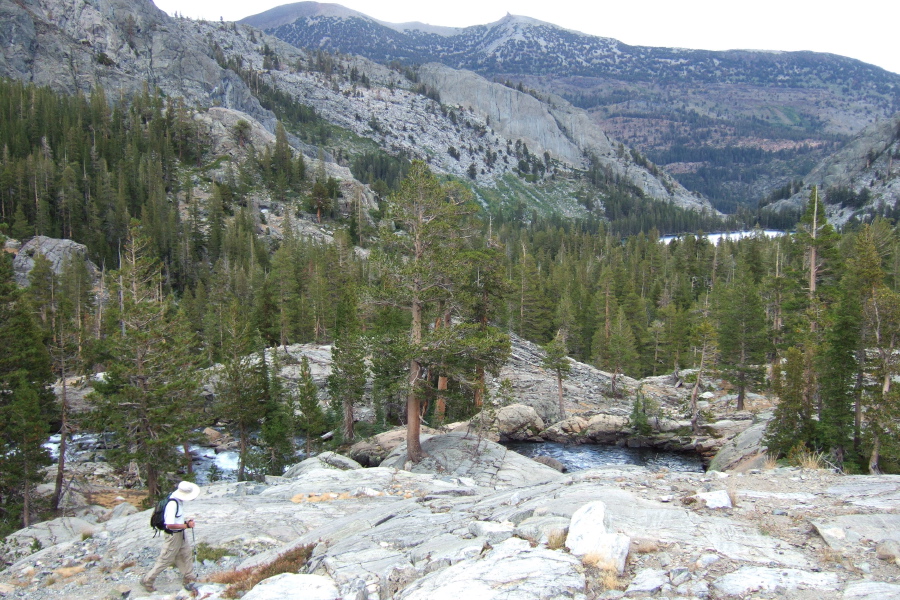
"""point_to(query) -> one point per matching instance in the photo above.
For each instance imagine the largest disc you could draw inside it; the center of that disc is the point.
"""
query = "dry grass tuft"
(556, 539)
(599, 562)
(733, 494)
(601, 573)
(803, 457)
(591, 559)
(771, 462)
(644, 546)
(66, 572)
(239, 582)
(832, 556)
(610, 580)
(813, 460)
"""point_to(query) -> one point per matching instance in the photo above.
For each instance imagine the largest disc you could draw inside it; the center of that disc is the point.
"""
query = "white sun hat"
(186, 491)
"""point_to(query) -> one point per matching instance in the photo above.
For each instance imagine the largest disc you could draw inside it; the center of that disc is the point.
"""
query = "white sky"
(865, 31)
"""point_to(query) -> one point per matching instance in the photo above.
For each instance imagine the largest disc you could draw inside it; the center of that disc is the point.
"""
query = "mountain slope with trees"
(859, 182)
(341, 105)
(732, 125)
(215, 240)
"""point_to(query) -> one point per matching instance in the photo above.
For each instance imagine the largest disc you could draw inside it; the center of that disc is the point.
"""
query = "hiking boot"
(190, 586)
(148, 585)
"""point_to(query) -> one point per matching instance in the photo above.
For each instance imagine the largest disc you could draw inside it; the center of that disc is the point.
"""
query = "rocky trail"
(480, 521)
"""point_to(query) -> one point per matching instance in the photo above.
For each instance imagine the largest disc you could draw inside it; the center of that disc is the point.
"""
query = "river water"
(587, 456)
(209, 466)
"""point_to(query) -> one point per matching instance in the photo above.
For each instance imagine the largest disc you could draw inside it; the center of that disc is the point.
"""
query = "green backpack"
(158, 517)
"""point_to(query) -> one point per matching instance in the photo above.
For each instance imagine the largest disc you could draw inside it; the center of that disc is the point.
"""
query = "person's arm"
(169, 517)
(189, 524)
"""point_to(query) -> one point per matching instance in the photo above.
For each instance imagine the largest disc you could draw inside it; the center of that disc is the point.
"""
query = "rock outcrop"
(120, 45)
(553, 126)
(57, 251)
(388, 533)
(460, 454)
(512, 423)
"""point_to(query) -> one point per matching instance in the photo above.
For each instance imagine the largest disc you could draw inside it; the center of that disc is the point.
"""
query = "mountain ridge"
(124, 46)
(666, 102)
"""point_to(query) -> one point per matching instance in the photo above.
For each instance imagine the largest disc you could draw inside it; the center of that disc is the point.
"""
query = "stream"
(210, 466)
(587, 456)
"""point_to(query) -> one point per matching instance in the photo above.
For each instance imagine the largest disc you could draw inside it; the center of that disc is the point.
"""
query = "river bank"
(468, 518)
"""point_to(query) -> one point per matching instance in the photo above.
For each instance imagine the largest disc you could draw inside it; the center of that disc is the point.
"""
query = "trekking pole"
(194, 544)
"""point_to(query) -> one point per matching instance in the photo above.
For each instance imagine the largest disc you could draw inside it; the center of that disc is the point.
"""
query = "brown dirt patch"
(111, 498)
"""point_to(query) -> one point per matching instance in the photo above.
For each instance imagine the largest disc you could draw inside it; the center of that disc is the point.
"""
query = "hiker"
(176, 548)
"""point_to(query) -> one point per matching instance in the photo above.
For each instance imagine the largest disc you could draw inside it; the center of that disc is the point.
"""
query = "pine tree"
(533, 313)
(347, 381)
(839, 373)
(707, 345)
(882, 410)
(793, 422)
(310, 417)
(61, 306)
(26, 404)
(147, 397)
(417, 267)
(241, 383)
(286, 292)
(742, 329)
(277, 431)
(556, 359)
(621, 348)
(818, 237)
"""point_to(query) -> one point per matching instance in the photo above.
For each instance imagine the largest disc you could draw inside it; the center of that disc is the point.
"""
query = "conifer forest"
(418, 297)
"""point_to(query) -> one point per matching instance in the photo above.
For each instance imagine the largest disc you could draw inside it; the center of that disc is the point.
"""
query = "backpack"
(158, 517)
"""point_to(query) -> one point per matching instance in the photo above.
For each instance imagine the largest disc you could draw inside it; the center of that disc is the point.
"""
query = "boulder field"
(475, 520)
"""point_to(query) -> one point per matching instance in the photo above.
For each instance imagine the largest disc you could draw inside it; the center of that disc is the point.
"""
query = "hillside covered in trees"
(207, 259)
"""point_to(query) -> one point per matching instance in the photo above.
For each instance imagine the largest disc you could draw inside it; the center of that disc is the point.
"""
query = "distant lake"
(731, 235)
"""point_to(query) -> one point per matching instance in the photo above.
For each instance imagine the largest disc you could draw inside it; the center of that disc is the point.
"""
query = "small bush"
(105, 60)
(207, 552)
(241, 581)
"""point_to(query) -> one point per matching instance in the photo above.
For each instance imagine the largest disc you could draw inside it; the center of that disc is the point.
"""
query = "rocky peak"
(288, 13)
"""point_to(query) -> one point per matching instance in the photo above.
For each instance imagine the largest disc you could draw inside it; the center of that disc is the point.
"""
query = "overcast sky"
(866, 31)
